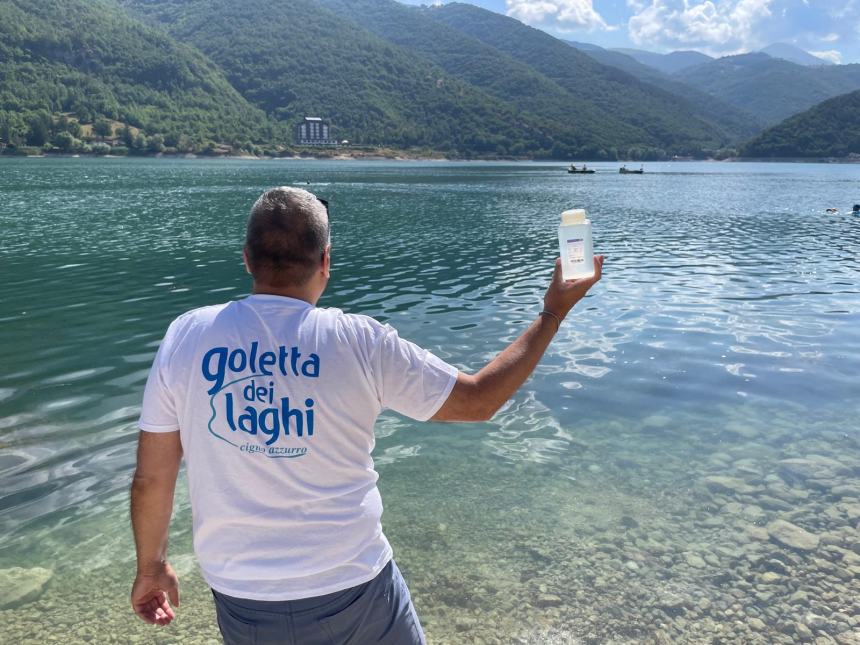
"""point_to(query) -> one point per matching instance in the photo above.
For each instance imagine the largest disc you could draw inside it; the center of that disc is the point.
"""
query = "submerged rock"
(695, 560)
(628, 522)
(803, 632)
(792, 536)
(722, 484)
(851, 509)
(813, 467)
(846, 490)
(545, 600)
(757, 624)
(672, 604)
(21, 586)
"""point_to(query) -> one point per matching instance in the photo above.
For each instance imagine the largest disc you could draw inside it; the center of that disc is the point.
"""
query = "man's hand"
(151, 592)
(563, 294)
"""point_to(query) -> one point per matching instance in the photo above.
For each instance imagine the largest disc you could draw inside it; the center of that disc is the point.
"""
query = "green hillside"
(297, 58)
(770, 88)
(670, 123)
(499, 74)
(830, 129)
(89, 59)
(739, 124)
(456, 79)
(575, 121)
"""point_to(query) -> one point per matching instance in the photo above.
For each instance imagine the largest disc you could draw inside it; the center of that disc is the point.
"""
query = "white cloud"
(716, 26)
(841, 10)
(831, 54)
(830, 38)
(561, 14)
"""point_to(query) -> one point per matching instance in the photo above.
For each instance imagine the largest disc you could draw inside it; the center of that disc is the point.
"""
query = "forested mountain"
(572, 118)
(666, 63)
(770, 88)
(668, 119)
(615, 58)
(90, 59)
(830, 129)
(729, 117)
(296, 58)
(196, 75)
(511, 80)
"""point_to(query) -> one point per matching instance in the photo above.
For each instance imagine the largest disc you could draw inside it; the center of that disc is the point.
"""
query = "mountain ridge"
(770, 88)
(88, 57)
(830, 129)
(406, 101)
(656, 111)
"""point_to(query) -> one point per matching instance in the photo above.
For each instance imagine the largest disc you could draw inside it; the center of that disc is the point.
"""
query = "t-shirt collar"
(271, 297)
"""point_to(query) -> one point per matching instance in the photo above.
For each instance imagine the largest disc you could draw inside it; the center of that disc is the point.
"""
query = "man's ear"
(245, 259)
(326, 262)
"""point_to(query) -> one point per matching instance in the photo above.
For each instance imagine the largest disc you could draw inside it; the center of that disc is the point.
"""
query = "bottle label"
(576, 252)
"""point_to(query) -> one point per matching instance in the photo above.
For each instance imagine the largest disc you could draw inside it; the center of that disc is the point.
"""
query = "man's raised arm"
(477, 397)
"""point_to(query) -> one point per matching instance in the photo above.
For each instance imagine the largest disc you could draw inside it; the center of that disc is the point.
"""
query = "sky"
(827, 28)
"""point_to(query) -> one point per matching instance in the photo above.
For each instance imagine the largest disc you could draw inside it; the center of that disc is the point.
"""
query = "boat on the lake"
(624, 170)
(573, 170)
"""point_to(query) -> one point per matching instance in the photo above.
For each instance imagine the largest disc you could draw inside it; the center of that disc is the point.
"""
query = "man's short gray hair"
(287, 234)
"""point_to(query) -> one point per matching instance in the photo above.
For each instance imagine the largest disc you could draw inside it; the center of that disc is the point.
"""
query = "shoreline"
(402, 155)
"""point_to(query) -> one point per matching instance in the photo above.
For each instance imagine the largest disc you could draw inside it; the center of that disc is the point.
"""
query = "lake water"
(683, 467)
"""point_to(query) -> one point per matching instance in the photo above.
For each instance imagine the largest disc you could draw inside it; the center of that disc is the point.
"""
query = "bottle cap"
(573, 216)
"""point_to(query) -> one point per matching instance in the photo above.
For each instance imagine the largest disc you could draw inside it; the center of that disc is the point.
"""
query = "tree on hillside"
(13, 128)
(66, 142)
(126, 136)
(103, 128)
(39, 129)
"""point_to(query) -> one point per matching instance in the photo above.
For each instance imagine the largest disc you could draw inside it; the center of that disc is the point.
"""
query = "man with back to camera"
(272, 402)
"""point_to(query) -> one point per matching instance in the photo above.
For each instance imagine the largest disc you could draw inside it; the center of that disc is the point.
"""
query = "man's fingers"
(145, 614)
(155, 606)
(598, 268)
(556, 272)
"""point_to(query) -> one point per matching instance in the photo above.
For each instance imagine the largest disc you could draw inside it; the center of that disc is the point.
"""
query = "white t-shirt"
(275, 401)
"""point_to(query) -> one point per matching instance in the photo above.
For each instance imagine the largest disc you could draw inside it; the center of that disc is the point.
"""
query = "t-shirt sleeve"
(410, 380)
(158, 413)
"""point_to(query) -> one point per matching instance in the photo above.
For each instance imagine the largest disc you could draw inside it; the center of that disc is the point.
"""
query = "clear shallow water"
(628, 493)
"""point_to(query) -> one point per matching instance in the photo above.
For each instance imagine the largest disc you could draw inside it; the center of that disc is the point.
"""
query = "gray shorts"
(379, 611)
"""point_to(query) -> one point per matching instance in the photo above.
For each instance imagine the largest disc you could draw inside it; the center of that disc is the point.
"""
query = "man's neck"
(298, 294)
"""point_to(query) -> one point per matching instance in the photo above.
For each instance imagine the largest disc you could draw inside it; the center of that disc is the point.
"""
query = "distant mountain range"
(199, 74)
(667, 63)
(768, 87)
(794, 55)
(678, 60)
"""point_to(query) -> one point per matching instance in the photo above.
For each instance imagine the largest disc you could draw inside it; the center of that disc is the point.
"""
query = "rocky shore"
(661, 533)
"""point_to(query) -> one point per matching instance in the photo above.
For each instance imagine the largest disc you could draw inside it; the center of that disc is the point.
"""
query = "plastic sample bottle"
(575, 245)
